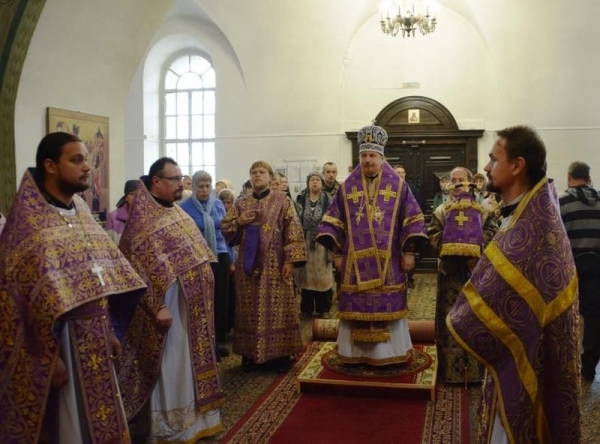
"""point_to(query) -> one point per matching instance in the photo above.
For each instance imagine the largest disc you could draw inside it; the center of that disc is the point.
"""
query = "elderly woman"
(315, 279)
(223, 184)
(208, 212)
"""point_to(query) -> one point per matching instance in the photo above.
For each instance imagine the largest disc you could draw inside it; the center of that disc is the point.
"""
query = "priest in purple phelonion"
(519, 314)
(64, 286)
(373, 226)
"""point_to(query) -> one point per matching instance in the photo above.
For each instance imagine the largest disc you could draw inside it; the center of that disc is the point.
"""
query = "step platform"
(415, 379)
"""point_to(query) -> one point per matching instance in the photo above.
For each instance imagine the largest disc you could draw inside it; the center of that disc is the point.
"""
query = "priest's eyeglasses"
(173, 178)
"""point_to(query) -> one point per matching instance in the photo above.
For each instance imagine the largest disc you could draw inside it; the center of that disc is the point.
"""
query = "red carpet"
(285, 416)
(340, 419)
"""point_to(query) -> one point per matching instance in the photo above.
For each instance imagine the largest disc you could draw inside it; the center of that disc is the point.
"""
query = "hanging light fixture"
(407, 22)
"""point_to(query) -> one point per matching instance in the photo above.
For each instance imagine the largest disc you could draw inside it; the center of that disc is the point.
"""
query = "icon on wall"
(414, 116)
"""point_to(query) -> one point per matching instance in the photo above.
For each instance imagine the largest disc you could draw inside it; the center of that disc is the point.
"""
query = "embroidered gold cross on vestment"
(355, 195)
(387, 193)
(461, 218)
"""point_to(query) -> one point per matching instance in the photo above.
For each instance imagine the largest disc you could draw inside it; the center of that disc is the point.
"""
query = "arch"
(21, 18)
(431, 116)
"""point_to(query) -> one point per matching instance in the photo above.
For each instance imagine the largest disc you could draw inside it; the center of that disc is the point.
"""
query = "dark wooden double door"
(425, 164)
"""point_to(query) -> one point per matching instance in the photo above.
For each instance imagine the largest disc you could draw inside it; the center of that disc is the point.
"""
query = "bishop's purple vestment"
(370, 225)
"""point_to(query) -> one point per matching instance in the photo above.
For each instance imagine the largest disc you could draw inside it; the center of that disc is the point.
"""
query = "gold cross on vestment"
(461, 218)
(387, 193)
(355, 195)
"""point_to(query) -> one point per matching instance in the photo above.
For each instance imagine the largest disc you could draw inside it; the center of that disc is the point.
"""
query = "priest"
(61, 278)
(169, 357)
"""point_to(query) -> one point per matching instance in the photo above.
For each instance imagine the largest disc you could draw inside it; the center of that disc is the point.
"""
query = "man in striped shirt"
(580, 211)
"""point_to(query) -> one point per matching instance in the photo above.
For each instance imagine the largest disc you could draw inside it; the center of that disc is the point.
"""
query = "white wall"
(82, 57)
(293, 76)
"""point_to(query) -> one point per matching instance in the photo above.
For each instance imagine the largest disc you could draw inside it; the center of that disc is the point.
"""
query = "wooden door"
(425, 164)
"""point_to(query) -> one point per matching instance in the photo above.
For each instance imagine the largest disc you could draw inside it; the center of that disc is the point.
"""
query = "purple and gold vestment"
(518, 315)
(266, 313)
(458, 231)
(371, 236)
(47, 284)
(165, 247)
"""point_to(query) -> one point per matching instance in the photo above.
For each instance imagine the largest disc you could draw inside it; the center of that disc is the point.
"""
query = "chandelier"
(407, 22)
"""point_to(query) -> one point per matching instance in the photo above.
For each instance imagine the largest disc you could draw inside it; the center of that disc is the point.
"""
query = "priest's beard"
(71, 187)
(492, 188)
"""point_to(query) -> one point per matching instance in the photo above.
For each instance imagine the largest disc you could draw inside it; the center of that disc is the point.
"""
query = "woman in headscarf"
(223, 184)
(315, 279)
(115, 223)
(208, 212)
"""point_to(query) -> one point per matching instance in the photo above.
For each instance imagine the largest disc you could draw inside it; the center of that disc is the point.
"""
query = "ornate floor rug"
(284, 415)
(415, 379)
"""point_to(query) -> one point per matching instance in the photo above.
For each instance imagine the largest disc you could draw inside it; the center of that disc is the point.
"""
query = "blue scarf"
(209, 224)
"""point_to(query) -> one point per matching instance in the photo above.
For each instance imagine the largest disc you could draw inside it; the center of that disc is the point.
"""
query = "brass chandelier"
(407, 22)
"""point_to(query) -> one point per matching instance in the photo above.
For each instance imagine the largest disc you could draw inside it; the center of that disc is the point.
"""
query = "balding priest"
(374, 226)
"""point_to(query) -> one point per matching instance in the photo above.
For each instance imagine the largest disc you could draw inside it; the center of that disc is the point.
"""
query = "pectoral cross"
(97, 270)
(359, 214)
(461, 218)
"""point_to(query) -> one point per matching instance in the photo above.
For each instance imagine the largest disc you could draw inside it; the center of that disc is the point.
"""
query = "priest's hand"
(60, 377)
(115, 344)
(246, 217)
(408, 262)
(288, 270)
(164, 318)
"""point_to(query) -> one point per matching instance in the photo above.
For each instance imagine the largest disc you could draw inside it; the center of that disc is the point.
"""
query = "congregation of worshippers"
(106, 324)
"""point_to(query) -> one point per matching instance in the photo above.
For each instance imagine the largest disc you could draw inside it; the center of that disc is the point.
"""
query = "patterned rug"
(281, 415)
(418, 362)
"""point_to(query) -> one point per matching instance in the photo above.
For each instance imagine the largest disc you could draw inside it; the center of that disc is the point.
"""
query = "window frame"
(188, 167)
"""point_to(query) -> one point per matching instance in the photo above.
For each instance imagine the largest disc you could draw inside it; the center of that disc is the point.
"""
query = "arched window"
(189, 114)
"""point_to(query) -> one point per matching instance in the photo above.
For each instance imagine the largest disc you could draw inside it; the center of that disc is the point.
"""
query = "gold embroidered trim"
(372, 317)
(364, 335)
(369, 285)
(457, 249)
(464, 204)
(411, 220)
(503, 332)
(523, 203)
(545, 313)
(333, 221)
(384, 289)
